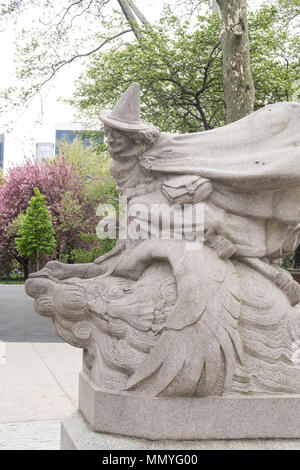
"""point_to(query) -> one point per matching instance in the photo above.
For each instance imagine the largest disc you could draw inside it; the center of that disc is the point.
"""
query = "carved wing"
(196, 358)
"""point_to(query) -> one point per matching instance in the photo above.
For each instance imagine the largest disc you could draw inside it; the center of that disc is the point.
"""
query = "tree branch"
(81, 13)
(203, 116)
(206, 70)
(138, 13)
(56, 67)
(67, 11)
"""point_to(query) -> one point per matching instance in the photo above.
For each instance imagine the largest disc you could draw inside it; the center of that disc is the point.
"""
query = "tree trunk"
(238, 83)
(24, 262)
(26, 270)
(129, 15)
(138, 13)
(214, 6)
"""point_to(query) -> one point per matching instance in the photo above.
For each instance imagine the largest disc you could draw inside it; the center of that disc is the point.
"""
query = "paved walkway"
(18, 320)
(40, 435)
(38, 386)
(38, 379)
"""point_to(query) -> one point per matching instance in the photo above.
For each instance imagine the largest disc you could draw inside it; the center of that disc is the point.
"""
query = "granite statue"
(156, 319)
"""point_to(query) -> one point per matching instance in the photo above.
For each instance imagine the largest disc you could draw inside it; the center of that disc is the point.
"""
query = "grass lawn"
(12, 281)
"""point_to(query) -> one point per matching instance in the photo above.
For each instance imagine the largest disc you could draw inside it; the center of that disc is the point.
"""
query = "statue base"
(185, 419)
(76, 434)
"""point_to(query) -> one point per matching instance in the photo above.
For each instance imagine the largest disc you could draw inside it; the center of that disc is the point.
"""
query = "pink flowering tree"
(71, 210)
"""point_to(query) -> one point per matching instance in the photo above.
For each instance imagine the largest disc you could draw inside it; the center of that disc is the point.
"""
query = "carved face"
(118, 142)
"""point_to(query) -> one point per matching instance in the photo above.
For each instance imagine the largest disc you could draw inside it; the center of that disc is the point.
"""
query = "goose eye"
(115, 292)
(127, 290)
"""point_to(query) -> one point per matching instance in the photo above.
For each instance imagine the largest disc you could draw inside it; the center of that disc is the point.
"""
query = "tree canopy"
(92, 164)
(64, 32)
(72, 213)
(73, 184)
(180, 70)
(36, 235)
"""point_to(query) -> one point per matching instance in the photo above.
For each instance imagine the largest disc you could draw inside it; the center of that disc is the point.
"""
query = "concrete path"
(38, 379)
(38, 387)
(44, 435)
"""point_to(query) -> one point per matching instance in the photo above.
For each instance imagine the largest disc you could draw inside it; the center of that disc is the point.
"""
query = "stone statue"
(156, 319)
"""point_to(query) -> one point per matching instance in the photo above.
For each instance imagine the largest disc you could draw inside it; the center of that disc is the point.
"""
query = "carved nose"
(37, 287)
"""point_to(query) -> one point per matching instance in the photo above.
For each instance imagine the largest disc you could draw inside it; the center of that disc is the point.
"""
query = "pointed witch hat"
(126, 113)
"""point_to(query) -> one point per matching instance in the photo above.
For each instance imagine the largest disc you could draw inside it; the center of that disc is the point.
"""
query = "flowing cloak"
(254, 166)
(260, 151)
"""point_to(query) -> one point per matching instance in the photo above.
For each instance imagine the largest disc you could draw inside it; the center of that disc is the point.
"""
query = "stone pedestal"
(184, 418)
(76, 434)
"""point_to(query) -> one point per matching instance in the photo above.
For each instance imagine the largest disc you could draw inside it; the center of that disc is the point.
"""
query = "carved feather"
(200, 358)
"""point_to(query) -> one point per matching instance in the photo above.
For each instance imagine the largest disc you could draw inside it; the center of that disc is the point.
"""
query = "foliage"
(92, 164)
(36, 235)
(11, 235)
(275, 56)
(8, 254)
(61, 33)
(93, 167)
(88, 256)
(63, 189)
(180, 70)
(291, 9)
(288, 261)
(12, 281)
(73, 185)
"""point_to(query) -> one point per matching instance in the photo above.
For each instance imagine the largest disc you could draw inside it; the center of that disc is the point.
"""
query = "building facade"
(68, 132)
(44, 150)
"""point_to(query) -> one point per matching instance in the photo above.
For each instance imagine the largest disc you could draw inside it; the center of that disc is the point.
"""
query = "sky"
(26, 132)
